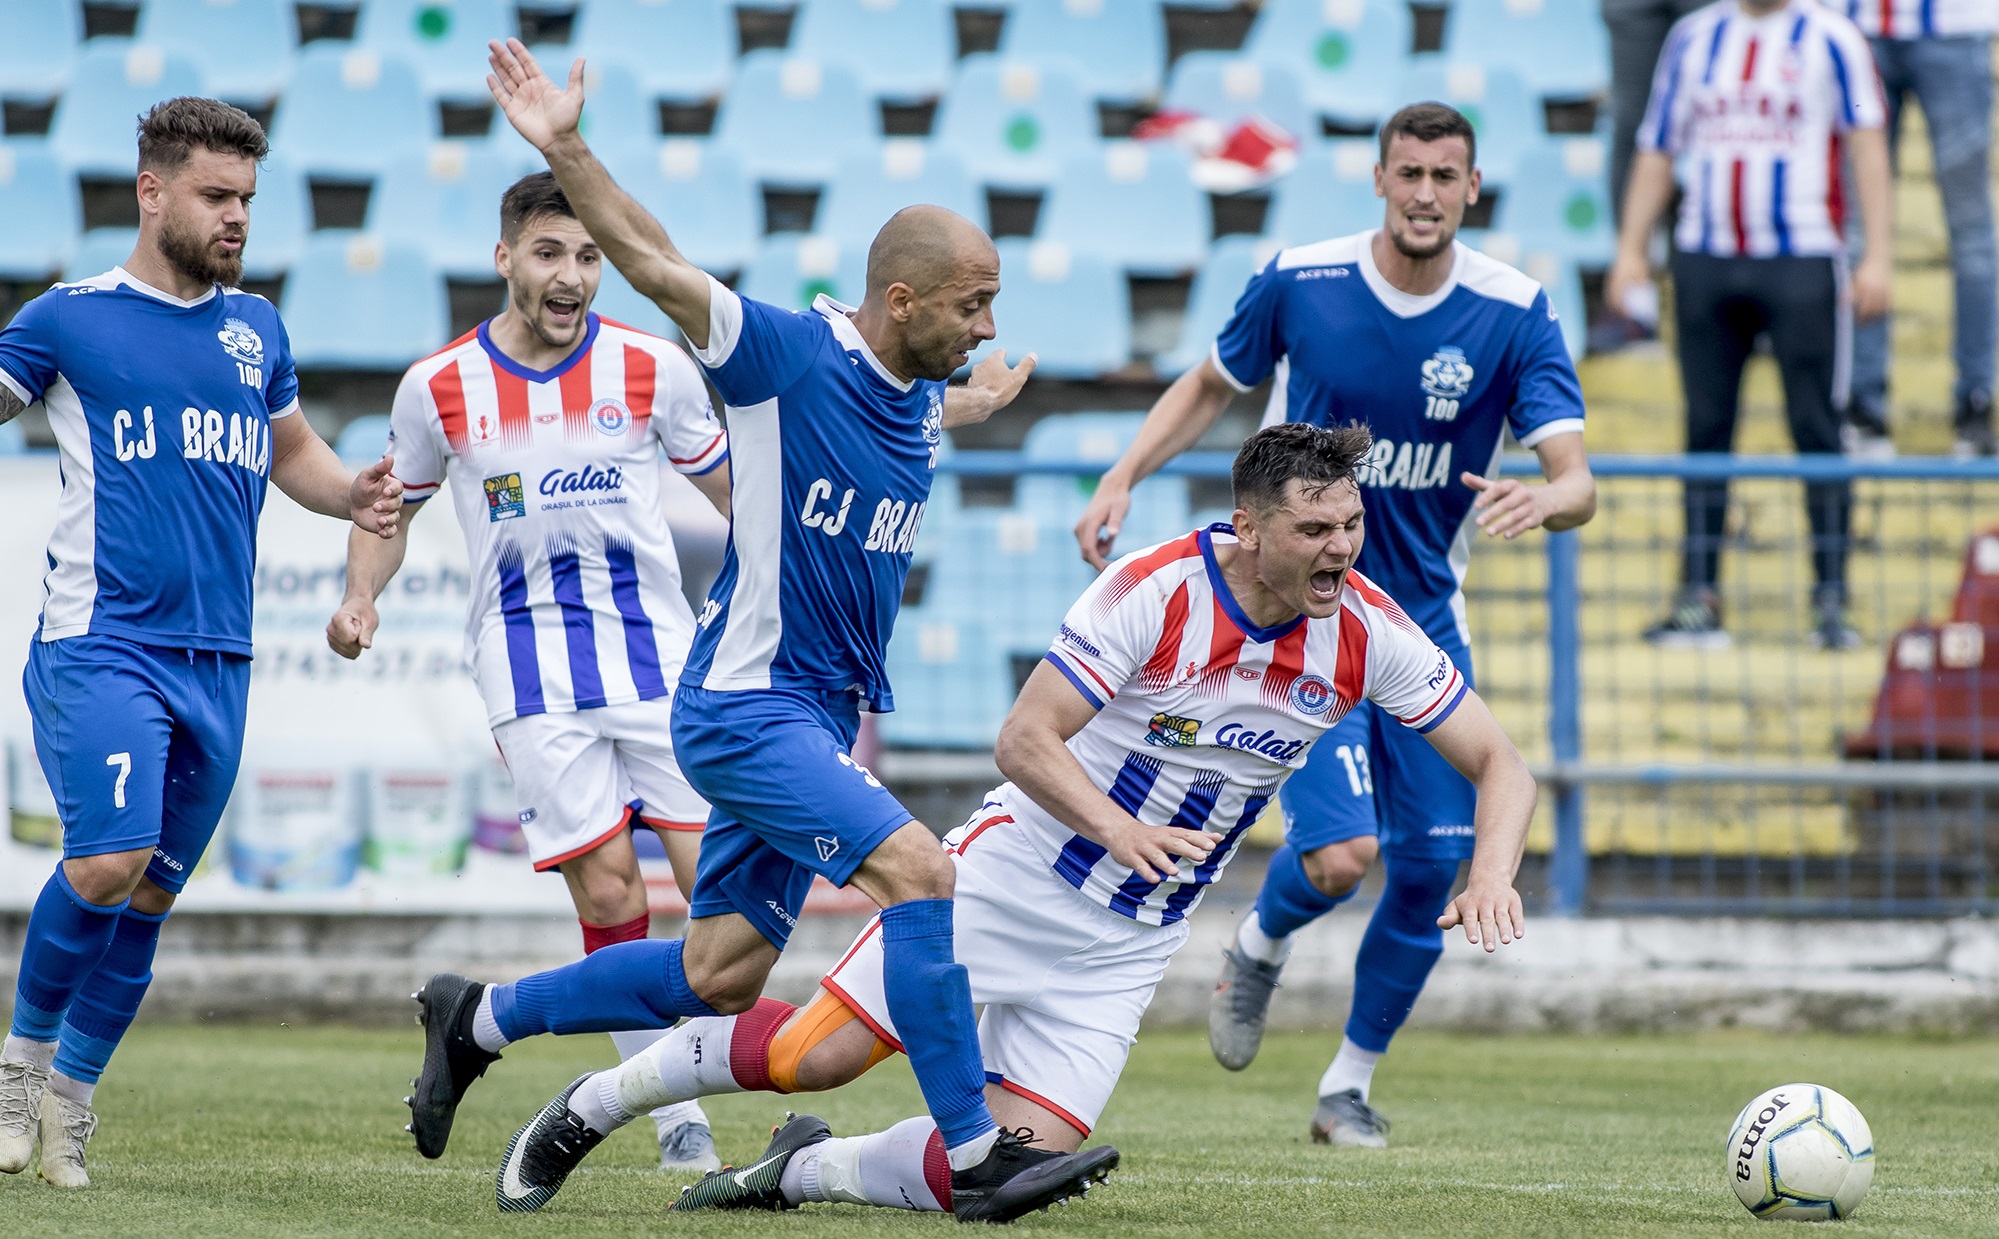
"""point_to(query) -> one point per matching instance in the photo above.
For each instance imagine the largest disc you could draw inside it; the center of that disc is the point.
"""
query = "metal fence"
(1727, 780)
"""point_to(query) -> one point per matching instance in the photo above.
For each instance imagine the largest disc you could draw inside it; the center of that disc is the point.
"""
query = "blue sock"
(928, 990)
(638, 984)
(104, 1007)
(1288, 901)
(67, 935)
(1401, 945)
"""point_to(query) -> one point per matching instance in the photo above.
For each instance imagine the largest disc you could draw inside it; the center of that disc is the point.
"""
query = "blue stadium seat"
(618, 116)
(1560, 47)
(902, 172)
(1506, 116)
(39, 42)
(444, 39)
(1074, 310)
(351, 111)
(1132, 205)
(1331, 194)
(445, 201)
(1347, 53)
(38, 199)
(792, 120)
(678, 49)
(115, 80)
(98, 251)
(1217, 287)
(1228, 88)
(364, 439)
(792, 270)
(1117, 48)
(13, 439)
(617, 299)
(700, 194)
(900, 49)
(280, 219)
(1013, 123)
(1013, 572)
(1560, 201)
(355, 303)
(953, 685)
(244, 48)
(1158, 504)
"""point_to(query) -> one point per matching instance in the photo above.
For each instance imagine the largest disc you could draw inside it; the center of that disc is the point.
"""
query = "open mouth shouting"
(1325, 584)
(562, 312)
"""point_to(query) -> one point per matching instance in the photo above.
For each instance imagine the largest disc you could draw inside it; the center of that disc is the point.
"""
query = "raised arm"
(547, 116)
(1473, 742)
(1179, 419)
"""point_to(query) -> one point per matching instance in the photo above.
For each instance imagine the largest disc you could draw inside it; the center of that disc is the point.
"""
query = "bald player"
(835, 419)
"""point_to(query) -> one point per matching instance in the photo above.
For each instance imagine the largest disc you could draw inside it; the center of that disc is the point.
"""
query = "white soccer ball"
(1802, 1153)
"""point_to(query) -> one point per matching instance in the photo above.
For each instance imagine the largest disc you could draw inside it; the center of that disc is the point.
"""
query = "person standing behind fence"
(1941, 52)
(1754, 100)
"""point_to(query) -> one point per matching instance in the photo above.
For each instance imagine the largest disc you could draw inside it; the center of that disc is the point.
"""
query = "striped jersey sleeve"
(1129, 618)
(416, 439)
(692, 439)
(1407, 674)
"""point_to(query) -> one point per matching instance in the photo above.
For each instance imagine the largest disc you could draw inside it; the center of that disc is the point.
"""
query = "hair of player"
(1429, 122)
(1317, 457)
(533, 196)
(171, 131)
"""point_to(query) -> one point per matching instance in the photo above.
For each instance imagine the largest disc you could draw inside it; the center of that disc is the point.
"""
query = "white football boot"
(66, 1131)
(21, 1086)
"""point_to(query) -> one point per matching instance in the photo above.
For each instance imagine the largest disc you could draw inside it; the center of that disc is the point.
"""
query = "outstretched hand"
(999, 382)
(543, 112)
(375, 498)
(1508, 507)
(1489, 911)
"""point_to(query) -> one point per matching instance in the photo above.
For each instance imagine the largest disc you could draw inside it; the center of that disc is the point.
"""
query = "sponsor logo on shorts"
(827, 848)
(167, 860)
(528, 815)
(781, 914)
(1170, 732)
(1311, 695)
(1443, 831)
(1263, 743)
(1070, 636)
(505, 499)
(610, 416)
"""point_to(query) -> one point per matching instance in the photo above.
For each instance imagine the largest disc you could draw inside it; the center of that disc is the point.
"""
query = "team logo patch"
(610, 416)
(1174, 733)
(241, 341)
(1447, 374)
(933, 420)
(1311, 695)
(504, 497)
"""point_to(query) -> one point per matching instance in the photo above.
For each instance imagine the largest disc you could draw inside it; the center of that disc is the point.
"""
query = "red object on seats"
(1939, 699)
(1978, 596)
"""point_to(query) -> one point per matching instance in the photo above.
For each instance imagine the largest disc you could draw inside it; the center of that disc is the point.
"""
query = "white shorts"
(578, 776)
(1064, 981)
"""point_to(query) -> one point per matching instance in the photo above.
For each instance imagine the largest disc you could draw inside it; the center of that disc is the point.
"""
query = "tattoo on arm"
(10, 405)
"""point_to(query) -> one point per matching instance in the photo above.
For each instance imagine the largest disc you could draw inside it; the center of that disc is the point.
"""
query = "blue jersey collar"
(1224, 596)
(555, 371)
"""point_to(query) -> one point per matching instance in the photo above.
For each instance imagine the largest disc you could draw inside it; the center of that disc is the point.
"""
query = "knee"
(151, 899)
(910, 864)
(730, 989)
(1338, 868)
(109, 878)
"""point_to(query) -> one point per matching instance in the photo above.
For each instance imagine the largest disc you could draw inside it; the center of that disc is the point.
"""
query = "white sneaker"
(21, 1086)
(690, 1147)
(66, 1131)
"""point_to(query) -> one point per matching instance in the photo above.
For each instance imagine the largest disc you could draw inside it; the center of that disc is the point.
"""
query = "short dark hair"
(534, 195)
(1427, 122)
(1318, 457)
(171, 131)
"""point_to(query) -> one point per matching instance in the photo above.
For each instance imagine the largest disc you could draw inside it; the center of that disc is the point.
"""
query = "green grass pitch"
(266, 1131)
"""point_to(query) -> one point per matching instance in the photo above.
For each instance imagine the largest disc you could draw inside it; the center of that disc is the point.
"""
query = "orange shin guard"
(816, 1021)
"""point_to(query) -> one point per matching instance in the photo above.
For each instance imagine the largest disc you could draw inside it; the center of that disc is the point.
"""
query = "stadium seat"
(700, 194)
(902, 172)
(244, 48)
(792, 270)
(1132, 205)
(1347, 53)
(444, 39)
(1217, 287)
(1330, 195)
(351, 111)
(1228, 89)
(39, 42)
(1560, 47)
(280, 219)
(356, 303)
(792, 120)
(952, 685)
(445, 201)
(1013, 123)
(38, 199)
(900, 49)
(115, 81)
(616, 299)
(1158, 504)
(1116, 48)
(364, 439)
(618, 116)
(98, 251)
(1074, 310)
(1560, 201)
(1506, 117)
(677, 49)
(1007, 572)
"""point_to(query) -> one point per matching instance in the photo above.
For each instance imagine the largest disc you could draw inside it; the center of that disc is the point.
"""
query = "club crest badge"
(1447, 374)
(1311, 695)
(241, 341)
(610, 416)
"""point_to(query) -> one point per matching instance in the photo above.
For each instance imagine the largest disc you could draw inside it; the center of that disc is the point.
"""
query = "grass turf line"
(224, 1130)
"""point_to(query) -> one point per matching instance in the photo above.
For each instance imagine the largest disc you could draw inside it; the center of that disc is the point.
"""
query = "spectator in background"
(1941, 52)
(1637, 32)
(1755, 99)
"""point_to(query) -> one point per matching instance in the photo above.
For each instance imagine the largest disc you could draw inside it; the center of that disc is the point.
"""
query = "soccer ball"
(1800, 1152)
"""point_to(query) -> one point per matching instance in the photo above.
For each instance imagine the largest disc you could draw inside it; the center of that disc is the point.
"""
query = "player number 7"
(124, 763)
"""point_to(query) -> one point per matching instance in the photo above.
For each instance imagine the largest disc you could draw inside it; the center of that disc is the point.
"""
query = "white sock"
(887, 1169)
(666, 1118)
(596, 1102)
(973, 1151)
(485, 1029)
(37, 1054)
(1352, 1067)
(1259, 946)
(687, 1062)
(76, 1090)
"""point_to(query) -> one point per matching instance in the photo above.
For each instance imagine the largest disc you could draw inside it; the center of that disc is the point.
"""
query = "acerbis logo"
(1311, 695)
(781, 914)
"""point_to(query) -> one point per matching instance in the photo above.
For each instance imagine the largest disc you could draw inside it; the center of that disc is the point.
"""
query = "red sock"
(749, 1044)
(597, 937)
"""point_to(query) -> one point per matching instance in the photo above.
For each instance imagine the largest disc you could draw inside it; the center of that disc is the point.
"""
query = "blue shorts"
(1370, 775)
(787, 800)
(140, 744)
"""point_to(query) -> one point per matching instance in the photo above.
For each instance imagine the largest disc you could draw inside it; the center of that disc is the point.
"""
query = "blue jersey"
(831, 458)
(1437, 378)
(162, 409)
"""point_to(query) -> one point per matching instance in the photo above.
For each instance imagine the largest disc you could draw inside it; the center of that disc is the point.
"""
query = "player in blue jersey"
(835, 418)
(173, 401)
(1440, 351)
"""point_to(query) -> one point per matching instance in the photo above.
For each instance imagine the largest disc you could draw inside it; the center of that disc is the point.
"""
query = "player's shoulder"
(424, 368)
(1334, 253)
(1164, 564)
(1368, 600)
(669, 353)
(1485, 276)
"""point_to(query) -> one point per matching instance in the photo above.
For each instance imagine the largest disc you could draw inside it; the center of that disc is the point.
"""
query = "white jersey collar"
(1399, 303)
(120, 274)
(850, 339)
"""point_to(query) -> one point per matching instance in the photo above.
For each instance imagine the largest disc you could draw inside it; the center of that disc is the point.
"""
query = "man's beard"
(530, 312)
(1410, 249)
(197, 259)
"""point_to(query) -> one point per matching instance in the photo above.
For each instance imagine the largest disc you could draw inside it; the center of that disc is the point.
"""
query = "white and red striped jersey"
(1202, 714)
(1920, 19)
(576, 598)
(1752, 109)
